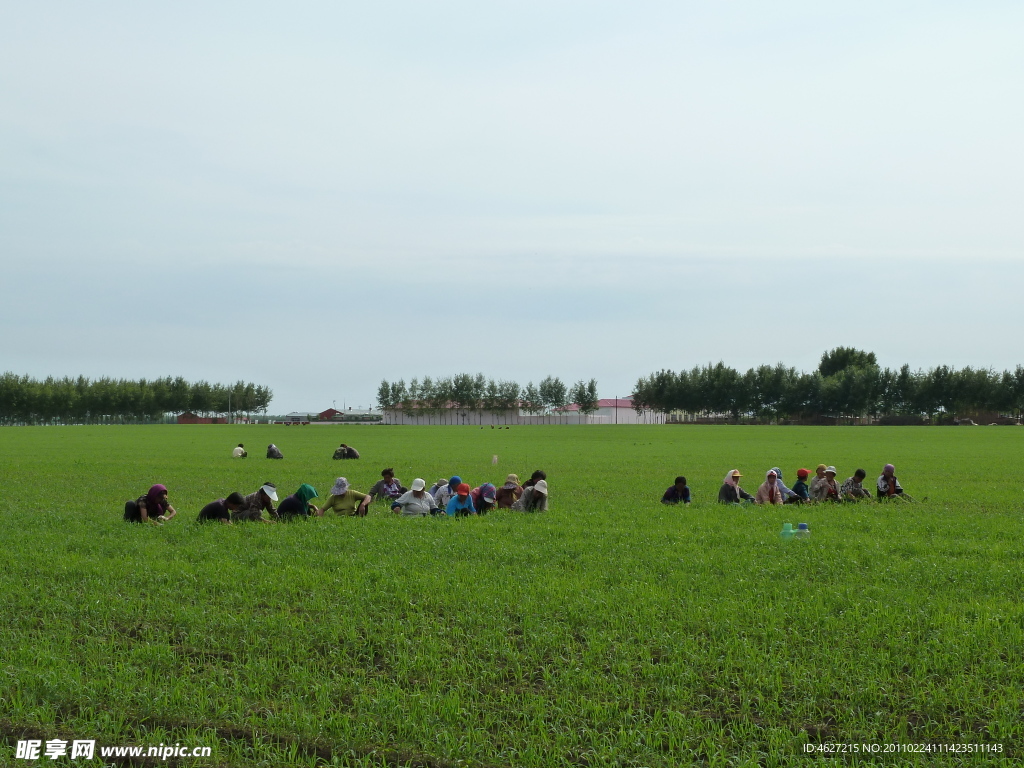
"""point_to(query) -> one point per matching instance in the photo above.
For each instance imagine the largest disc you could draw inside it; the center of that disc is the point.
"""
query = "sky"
(320, 195)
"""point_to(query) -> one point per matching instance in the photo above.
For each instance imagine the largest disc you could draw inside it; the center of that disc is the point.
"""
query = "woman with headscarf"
(345, 501)
(509, 493)
(769, 492)
(730, 492)
(150, 508)
(299, 504)
(888, 486)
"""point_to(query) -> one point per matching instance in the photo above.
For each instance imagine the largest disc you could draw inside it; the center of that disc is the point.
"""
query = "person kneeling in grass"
(389, 487)
(852, 488)
(255, 503)
(534, 498)
(484, 498)
(460, 505)
(889, 487)
(801, 493)
(678, 493)
(345, 501)
(415, 502)
(221, 509)
(768, 492)
(152, 508)
(300, 503)
(730, 492)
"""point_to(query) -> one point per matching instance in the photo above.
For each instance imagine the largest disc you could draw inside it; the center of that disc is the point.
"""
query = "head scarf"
(305, 493)
(487, 489)
(454, 482)
(769, 473)
(777, 471)
(153, 502)
(340, 486)
(511, 481)
(729, 479)
(889, 468)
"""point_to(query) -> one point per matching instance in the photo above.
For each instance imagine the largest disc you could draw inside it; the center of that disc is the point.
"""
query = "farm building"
(191, 418)
(610, 411)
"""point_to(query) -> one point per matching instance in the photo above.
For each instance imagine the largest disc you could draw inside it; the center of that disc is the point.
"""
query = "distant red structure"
(190, 418)
(327, 415)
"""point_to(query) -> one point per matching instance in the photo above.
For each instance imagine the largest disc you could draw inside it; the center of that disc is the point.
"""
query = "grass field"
(609, 631)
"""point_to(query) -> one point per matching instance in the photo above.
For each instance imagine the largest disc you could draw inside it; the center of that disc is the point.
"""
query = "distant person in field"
(768, 492)
(787, 493)
(239, 452)
(345, 501)
(255, 504)
(827, 489)
(484, 498)
(299, 504)
(801, 492)
(853, 489)
(153, 507)
(221, 509)
(509, 493)
(445, 492)
(345, 452)
(538, 474)
(388, 487)
(534, 498)
(273, 452)
(415, 502)
(730, 492)
(460, 504)
(888, 486)
(678, 493)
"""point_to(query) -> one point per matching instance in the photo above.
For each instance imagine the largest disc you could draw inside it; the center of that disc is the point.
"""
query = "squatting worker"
(256, 503)
(273, 452)
(768, 492)
(817, 482)
(461, 504)
(388, 487)
(509, 493)
(801, 493)
(152, 508)
(484, 498)
(345, 501)
(446, 492)
(888, 486)
(239, 452)
(730, 492)
(534, 498)
(299, 504)
(221, 509)
(853, 489)
(678, 493)
(415, 502)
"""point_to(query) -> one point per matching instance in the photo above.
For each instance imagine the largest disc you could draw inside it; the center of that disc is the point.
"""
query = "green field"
(610, 631)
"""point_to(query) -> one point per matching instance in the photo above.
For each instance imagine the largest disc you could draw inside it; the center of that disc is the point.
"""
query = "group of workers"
(823, 487)
(448, 496)
(273, 452)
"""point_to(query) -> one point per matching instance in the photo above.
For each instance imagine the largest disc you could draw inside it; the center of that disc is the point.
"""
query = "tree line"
(847, 383)
(24, 400)
(437, 397)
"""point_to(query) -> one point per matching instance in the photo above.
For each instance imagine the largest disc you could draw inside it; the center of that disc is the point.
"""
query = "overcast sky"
(316, 196)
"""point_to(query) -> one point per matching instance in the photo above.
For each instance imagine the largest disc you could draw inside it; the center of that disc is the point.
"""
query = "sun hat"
(340, 486)
(418, 484)
(822, 467)
(270, 489)
(541, 486)
(462, 489)
(736, 473)
(803, 473)
(831, 469)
